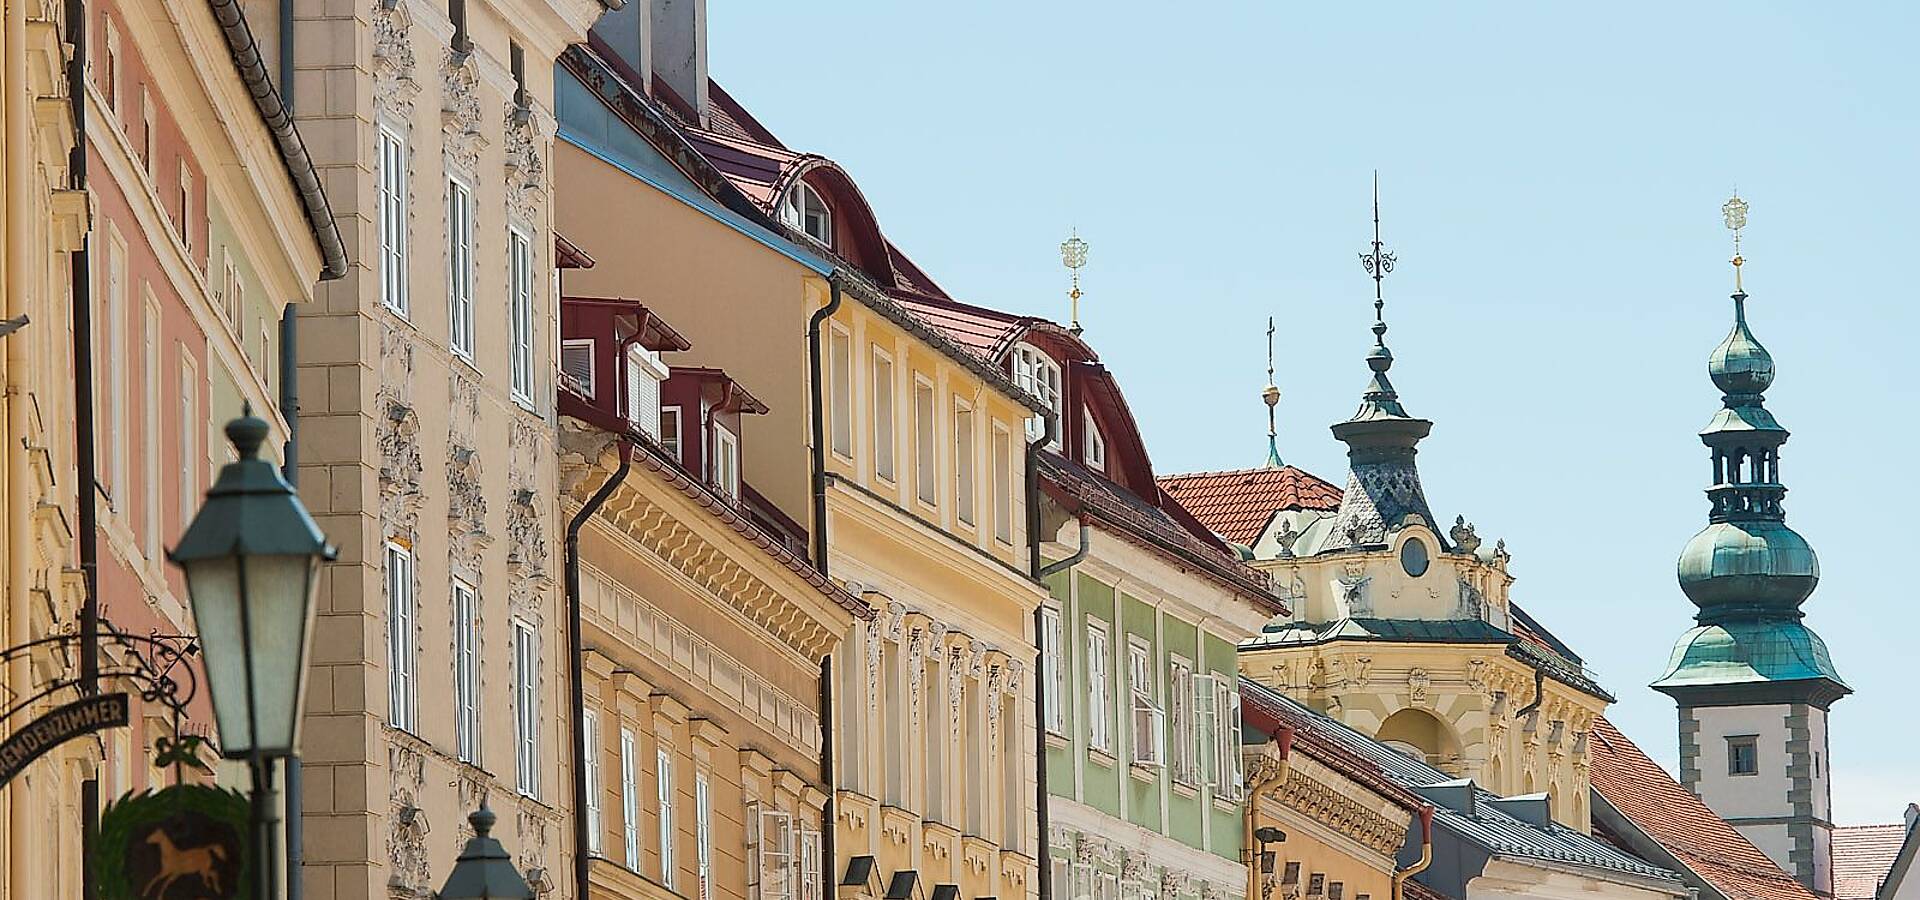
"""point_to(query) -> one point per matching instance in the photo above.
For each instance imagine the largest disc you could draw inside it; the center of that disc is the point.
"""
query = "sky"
(1551, 178)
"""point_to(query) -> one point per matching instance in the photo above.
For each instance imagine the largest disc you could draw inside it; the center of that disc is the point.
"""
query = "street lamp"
(485, 870)
(251, 557)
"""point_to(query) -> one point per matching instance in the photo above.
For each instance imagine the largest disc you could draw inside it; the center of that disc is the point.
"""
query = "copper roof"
(1862, 856)
(1238, 504)
(1645, 794)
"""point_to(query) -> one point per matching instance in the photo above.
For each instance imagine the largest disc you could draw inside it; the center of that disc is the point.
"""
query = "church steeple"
(1383, 484)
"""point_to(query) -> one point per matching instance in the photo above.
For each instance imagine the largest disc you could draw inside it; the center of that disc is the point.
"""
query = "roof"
(1487, 826)
(1238, 504)
(568, 255)
(1670, 814)
(1862, 856)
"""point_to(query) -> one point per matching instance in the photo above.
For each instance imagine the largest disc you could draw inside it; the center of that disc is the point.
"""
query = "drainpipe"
(1539, 694)
(581, 861)
(817, 409)
(1043, 844)
(1400, 876)
(1285, 741)
(1086, 544)
(826, 769)
(290, 470)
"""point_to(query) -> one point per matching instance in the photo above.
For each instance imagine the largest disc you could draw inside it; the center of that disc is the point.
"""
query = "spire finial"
(1735, 211)
(1271, 394)
(1073, 253)
(1378, 263)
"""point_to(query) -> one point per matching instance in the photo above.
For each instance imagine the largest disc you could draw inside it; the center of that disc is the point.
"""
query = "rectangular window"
(893, 709)
(926, 447)
(670, 433)
(703, 834)
(840, 387)
(974, 733)
(645, 372)
(882, 416)
(1147, 717)
(963, 488)
(726, 462)
(1037, 374)
(112, 64)
(1226, 736)
(390, 162)
(402, 702)
(1002, 485)
(807, 863)
(1099, 694)
(939, 735)
(1093, 446)
(1053, 672)
(230, 290)
(590, 768)
(466, 673)
(192, 461)
(460, 215)
(112, 325)
(629, 801)
(1180, 756)
(1743, 755)
(147, 130)
(770, 838)
(663, 779)
(576, 366)
(520, 315)
(150, 452)
(1013, 807)
(526, 709)
(186, 205)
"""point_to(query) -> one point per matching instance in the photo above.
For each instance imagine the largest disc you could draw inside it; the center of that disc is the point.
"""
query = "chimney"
(628, 32)
(680, 51)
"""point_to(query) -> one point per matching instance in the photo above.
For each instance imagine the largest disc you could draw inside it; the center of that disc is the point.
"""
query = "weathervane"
(1272, 397)
(1377, 263)
(1073, 252)
(1735, 211)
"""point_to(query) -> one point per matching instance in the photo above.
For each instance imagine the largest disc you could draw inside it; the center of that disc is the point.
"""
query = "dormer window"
(726, 462)
(805, 210)
(576, 366)
(1093, 447)
(1037, 374)
(645, 371)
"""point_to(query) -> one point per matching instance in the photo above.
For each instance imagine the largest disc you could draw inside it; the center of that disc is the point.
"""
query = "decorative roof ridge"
(1251, 470)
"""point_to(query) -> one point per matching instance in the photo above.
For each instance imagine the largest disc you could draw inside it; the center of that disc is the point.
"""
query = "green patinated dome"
(1746, 652)
(1760, 567)
(1740, 365)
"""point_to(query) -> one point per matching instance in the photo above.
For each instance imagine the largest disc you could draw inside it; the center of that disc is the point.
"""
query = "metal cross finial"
(1271, 394)
(1735, 211)
(1377, 263)
(1073, 253)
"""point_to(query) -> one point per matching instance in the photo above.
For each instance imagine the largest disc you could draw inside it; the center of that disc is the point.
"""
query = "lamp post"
(485, 870)
(251, 557)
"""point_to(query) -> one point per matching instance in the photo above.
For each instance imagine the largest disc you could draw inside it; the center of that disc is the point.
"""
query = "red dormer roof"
(566, 255)
(1238, 504)
(732, 396)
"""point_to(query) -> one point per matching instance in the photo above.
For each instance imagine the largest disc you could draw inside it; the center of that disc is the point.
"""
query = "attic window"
(576, 366)
(804, 209)
(1093, 447)
(1037, 374)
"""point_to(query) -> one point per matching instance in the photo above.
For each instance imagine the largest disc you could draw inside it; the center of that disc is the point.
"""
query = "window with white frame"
(1099, 692)
(186, 205)
(670, 432)
(466, 672)
(1106, 886)
(1037, 374)
(148, 131)
(726, 461)
(526, 708)
(590, 769)
(629, 800)
(112, 325)
(703, 835)
(893, 709)
(1181, 741)
(963, 451)
(806, 863)
(1218, 698)
(1147, 718)
(926, 447)
(645, 372)
(663, 782)
(576, 365)
(882, 415)
(939, 736)
(460, 263)
(402, 685)
(1063, 869)
(1013, 809)
(390, 163)
(1053, 672)
(192, 461)
(1094, 445)
(770, 838)
(111, 63)
(804, 209)
(1002, 485)
(150, 426)
(974, 733)
(840, 390)
(230, 290)
(520, 315)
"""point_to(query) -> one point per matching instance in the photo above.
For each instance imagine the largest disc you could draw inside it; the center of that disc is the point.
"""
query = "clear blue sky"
(1551, 179)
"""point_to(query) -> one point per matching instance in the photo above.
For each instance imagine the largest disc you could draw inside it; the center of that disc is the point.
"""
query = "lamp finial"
(1073, 253)
(1735, 212)
(1271, 395)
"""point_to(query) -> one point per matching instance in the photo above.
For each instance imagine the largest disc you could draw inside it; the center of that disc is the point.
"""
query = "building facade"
(428, 454)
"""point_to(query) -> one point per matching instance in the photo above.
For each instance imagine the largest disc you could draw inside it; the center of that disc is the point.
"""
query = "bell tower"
(1752, 681)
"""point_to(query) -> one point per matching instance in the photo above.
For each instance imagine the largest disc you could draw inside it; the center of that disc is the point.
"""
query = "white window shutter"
(576, 365)
(775, 850)
(644, 374)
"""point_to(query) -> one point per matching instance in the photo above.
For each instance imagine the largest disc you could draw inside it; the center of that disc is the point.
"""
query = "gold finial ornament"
(1271, 395)
(1073, 253)
(1735, 211)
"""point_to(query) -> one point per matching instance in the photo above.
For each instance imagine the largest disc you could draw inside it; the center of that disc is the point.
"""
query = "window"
(1037, 374)
(1099, 697)
(192, 461)
(807, 863)
(590, 767)
(963, 488)
(894, 710)
(526, 709)
(402, 700)
(520, 315)
(726, 461)
(150, 425)
(112, 325)
(112, 63)
(882, 416)
(147, 128)
(1053, 671)
(670, 432)
(1180, 756)
(770, 834)
(1219, 702)
(703, 834)
(645, 371)
(390, 160)
(663, 779)
(1013, 806)
(840, 388)
(974, 732)
(466, 673)
(939, 736)
(629, 801)
(1743, 755)
(460, 268)
(576, 366)
(1002, 485)
(803, 209)
(1093, 446)
(926, 449)
(1147, 718)
(186, 205)
(230, 291)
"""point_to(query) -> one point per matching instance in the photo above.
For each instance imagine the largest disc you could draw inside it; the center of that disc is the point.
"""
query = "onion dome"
(1741, 366)
(1733, 569)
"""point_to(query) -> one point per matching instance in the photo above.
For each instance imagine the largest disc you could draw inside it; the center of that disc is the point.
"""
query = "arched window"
(804, 209)
(1037, 374)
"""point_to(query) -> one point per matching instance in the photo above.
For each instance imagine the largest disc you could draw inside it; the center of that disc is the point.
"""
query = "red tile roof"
(1238, 504)
(1635, 785)
(1862, 855)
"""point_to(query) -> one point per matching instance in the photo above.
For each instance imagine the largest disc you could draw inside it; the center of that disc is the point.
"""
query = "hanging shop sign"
(185, 842)
(57, 727)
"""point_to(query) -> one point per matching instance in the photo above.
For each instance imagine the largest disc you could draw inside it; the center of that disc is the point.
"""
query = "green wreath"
(133, 820)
